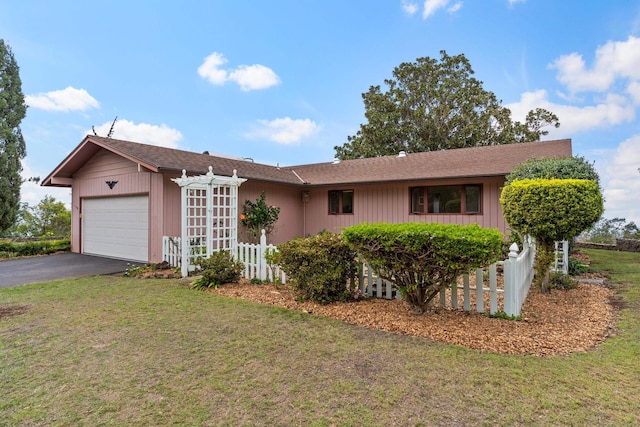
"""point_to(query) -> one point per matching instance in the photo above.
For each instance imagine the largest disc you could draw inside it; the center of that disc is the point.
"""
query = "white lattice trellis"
(209, 215)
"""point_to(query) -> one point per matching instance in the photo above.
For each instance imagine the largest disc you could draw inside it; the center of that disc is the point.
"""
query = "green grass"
(121, 351)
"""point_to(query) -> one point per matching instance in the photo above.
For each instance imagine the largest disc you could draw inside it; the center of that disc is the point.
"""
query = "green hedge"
(421, 259)
(38, 247)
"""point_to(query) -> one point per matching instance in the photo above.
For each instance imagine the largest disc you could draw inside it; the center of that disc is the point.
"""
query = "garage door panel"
(116, 227)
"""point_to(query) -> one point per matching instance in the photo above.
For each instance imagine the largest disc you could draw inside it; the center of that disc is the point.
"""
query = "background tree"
(608, 230)
(12, 145)
(49, 218)
(436, 105)
(550, 210)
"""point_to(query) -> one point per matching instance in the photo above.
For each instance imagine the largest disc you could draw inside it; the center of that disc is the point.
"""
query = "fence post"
(510, 288)
(263, 259)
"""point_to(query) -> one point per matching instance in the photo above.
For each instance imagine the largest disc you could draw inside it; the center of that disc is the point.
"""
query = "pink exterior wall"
(171, 206)
(287, 198)
(391, 203)
(388, 202)
(89, 181)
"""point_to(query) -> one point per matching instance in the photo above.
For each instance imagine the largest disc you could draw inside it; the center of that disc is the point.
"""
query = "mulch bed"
(559, 323)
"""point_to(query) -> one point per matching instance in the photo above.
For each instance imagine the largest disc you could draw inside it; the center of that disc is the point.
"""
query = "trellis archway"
(209, 215)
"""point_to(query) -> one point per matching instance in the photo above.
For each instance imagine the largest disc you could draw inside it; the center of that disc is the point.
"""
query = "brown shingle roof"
(495, 160)
(465, 162)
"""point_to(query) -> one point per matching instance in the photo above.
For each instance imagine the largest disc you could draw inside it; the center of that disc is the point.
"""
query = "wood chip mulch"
(559, 323)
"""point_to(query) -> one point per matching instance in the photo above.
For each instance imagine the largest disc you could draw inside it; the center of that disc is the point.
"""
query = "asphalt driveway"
(21, 271)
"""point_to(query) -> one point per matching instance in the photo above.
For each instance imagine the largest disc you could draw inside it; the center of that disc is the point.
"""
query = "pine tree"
(12, 147)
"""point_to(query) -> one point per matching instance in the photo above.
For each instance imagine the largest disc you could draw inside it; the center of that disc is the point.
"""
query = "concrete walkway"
(15, 272)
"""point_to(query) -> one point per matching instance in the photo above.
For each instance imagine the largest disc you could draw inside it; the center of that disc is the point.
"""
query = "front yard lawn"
(125, 351)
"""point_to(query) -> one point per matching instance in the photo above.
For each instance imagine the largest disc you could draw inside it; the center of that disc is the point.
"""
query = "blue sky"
(281, 81)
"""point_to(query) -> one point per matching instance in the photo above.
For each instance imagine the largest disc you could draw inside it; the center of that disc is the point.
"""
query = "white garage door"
(116, 227)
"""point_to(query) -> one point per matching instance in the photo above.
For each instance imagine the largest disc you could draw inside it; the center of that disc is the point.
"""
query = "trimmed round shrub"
(421, 259)
(321, 268)
(551, 210)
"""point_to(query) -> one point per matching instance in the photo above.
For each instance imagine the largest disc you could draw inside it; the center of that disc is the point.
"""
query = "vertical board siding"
(287, 197)
(389, 202)
(105, 163)
(172, 202)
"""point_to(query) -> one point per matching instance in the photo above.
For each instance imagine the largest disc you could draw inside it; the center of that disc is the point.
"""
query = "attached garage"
(116, 227)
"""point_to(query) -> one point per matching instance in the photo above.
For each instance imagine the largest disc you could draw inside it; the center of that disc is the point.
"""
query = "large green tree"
(48, 218)
(435, 104)
(12, 147)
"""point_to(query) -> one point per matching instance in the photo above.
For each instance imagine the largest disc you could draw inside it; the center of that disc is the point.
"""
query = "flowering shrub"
(321, 268)
(257, 216)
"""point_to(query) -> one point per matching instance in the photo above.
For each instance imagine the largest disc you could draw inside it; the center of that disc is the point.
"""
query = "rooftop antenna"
(111, 130)
(112, 126)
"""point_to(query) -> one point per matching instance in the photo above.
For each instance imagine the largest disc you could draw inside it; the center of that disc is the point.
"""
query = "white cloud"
(409, 7)
(68, 99)
(253, 77)
(284, 130)
(621, 180)
(612, 61)
(456, 7)
(611, 110)
(210, 69)
(634, 90)
(512, 2)
(248, 77)
(432, 6)
(162, 136)
(32, 193)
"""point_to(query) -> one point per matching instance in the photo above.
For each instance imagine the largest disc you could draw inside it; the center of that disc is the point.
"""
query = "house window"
(417, 200)
(340, 202)
(446, 199)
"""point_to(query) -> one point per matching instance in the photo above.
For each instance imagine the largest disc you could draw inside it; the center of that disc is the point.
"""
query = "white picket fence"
(254, 257)
(473, 291)
(561, 259)
(476, 289)
(172, 250)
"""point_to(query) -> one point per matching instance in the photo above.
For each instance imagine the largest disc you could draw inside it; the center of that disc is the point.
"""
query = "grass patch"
(123, 351)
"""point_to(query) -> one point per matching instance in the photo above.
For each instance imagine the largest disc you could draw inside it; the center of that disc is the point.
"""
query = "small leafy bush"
(576, 268)
(505, 316)
(218, 269)
(134, 270)
(322, 268)
(559, 280)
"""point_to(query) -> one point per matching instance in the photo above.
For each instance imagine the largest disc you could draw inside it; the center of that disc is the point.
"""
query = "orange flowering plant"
(257, 216)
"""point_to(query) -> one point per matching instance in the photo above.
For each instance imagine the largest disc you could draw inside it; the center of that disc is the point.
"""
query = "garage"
(116, 227)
